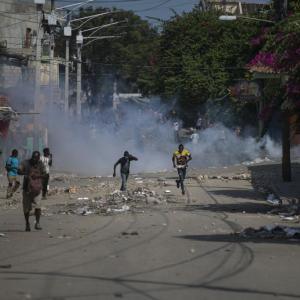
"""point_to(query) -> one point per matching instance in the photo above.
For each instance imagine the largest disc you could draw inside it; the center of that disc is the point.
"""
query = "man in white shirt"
(47, 162)
(195, 137)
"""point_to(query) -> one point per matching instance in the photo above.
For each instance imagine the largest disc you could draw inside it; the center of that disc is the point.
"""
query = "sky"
(161, 9)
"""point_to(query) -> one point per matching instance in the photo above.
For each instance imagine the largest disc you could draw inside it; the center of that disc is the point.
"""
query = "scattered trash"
(272, 200)
(167, 191)
(83, 198)
(71, 190)
(130, 233)
(256, 161)
(271, 232)
(122, 209)
(289, 218)
(64, 236)
(118, 295)
(84, 211)
(192, 250)
(2, 234)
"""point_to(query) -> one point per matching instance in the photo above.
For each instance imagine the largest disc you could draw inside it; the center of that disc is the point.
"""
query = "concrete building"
(234, 7)
(20, 25)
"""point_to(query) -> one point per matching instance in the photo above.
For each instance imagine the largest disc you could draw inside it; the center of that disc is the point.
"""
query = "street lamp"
(79, 42)
(235, 17)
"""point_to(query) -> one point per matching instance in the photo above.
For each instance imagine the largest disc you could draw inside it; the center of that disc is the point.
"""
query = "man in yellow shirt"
(180, 159)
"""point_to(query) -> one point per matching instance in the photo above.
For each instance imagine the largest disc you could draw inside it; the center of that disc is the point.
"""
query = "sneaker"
(27, 227)
(183, 192)
(177, 183)
(37, 226)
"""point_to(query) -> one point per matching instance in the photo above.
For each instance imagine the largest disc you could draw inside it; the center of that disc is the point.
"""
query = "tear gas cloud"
(94, 149)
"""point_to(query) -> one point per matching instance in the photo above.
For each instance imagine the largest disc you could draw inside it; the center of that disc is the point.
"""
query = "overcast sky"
(154, 8)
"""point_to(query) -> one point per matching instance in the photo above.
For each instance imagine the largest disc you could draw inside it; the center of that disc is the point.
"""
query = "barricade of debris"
(114, 202)
(271, 232)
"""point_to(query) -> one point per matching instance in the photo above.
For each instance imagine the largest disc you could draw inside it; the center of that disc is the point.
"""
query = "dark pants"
(124, 177)
(181, 174)
(45, 184)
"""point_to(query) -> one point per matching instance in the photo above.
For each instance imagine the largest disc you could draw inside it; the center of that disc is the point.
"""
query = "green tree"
(200, 57)
(126, 59)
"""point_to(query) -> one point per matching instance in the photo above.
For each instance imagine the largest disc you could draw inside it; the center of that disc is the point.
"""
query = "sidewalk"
(267, 178)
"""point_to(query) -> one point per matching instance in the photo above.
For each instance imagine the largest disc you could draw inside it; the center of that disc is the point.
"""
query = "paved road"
(180, 250)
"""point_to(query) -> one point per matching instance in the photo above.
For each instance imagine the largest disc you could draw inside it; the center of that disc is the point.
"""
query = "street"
(175, 248)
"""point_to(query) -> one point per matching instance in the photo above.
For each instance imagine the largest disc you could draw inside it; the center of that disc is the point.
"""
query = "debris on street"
(271, 232)
(113, 202)
(242, 176)
(273, 200)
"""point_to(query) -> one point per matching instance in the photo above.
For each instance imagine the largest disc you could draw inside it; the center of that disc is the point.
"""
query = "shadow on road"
(238, 193)
(240, 207)
(232, 238)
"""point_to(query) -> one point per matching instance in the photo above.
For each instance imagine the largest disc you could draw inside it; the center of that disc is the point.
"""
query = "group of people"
(180, 159)
(36, 172)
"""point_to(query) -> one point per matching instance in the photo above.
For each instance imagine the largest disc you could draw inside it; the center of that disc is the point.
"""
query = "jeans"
(124, 177)
(181, 174)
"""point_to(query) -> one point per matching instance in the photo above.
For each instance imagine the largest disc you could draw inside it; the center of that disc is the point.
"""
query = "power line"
(153, 7)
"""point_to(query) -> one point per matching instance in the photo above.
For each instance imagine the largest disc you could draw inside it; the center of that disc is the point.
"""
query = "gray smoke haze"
(94, 150)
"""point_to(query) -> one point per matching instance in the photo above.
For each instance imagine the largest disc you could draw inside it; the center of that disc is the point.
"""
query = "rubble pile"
(148, 196)
(257, 161)
(114, 202)
(243, 176)
(271, 232)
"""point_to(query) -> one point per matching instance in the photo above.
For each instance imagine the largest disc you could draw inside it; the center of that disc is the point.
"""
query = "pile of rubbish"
(115, 202)
(271, 232)
(243, 176)
(256, 161)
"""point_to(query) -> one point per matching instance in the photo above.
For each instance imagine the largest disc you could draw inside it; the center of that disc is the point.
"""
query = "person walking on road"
(47, 161)
(180, 160)
(11, 166)
(125, 168)
(34, 172)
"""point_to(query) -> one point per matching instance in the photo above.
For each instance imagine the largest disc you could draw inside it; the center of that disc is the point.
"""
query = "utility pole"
(67, 71)
(52, 20)
(67, 34)
(79, 42)
(38, 54)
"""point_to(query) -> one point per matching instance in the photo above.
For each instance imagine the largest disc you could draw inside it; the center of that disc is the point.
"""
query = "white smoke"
(95, 149)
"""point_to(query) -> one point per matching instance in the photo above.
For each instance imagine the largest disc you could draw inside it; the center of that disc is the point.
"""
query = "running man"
(125, 168)
(11, 166)
(180, 159)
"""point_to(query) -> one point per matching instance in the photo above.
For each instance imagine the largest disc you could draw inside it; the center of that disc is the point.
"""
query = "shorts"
(31, 202)
(12, 179)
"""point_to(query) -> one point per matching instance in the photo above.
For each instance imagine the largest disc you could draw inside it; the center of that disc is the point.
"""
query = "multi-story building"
(20, 26)
(235, 7)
